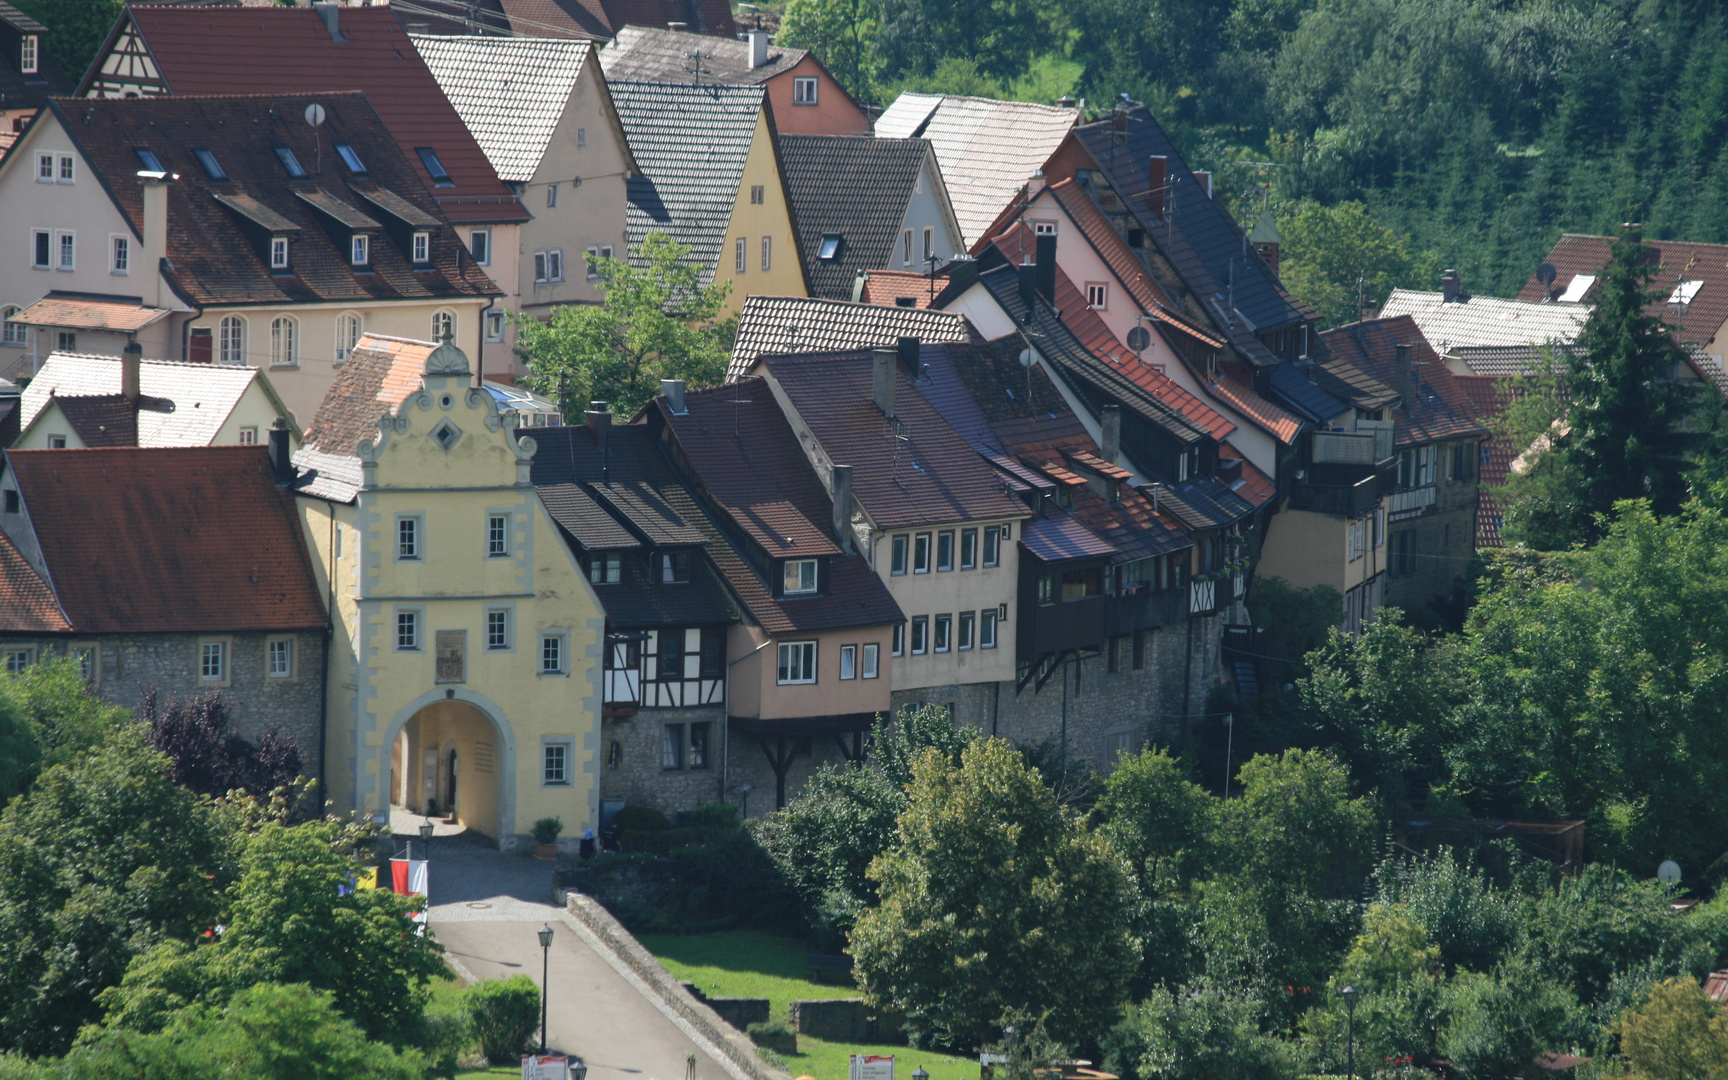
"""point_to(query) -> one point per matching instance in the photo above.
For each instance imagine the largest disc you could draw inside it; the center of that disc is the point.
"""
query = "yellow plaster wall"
(752, 221)
(1305, 549)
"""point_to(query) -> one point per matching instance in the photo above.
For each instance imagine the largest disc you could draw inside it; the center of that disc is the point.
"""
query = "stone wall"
(632, 762)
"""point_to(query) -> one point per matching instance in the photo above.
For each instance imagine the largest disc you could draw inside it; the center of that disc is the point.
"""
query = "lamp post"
(545, 955)
(426, 839)
(1350, 996)
(920, 1074)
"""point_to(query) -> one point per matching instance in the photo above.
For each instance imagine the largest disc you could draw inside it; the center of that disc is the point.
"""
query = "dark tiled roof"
(1060, 537)
(379, 375)
(287, 51)
(585, 519)
(790, 324)
(638, 502)
(220, 257)
(1347, 382)
(691, 143)
(454, 17)
(1204, 503)
(108, 419)
(21, 91)
(914, 470)
(1575, 254)
(210, 543)
(655, 54)
(1441, 411)
(26, 604)
(853, 187)
(1304, 394)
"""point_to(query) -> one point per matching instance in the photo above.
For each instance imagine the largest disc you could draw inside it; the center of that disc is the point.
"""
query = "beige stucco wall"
(756, 691)
(950, 592)
(1305, 549)
(751, 222)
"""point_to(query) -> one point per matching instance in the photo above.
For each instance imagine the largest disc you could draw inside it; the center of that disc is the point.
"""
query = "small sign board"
(871, 1067)
(545, 1067)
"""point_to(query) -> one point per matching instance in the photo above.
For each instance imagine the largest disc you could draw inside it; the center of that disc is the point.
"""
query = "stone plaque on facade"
(450, 650)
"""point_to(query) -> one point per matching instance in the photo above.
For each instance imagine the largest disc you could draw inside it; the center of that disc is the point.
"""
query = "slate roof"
(791, 324)
(743, 457)
(1698, 320)
(1441, 410)
(691, 143)
(379, 375)
(1060, 537)
(511, 92)
(1347, 382)
(1485, 320)
(1204, 503)
(220, 257)
(656, 54)
(925, 474)
(988, 149)
(210, 543)
(201, 396)
(288, 51)
(852, 187)
(21, 91)
(640, 504)
(27, 605)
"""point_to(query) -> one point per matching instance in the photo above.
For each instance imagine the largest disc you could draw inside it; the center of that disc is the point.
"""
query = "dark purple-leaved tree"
(208, 757)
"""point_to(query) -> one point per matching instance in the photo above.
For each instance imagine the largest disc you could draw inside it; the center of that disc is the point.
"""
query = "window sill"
(119, 273)
(554, 674)
(801, 682)
(287, 366)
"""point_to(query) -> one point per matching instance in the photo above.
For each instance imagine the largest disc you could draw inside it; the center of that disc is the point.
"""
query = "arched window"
(347, 334)
(12, 333)
(233, 345)
(443, 322)
(282, 344)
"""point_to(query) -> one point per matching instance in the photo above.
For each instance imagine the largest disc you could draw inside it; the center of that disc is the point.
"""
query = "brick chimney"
(1451, 287)
(1404, 376)
(130, 359)
(882, 382)
(1157, 177)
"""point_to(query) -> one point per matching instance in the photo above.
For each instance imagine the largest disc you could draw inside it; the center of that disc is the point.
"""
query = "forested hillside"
(1474, 131)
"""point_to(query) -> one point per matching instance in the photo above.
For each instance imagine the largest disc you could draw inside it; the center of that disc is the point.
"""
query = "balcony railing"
(1401, 505)
(1349, 499)
(1132, 611)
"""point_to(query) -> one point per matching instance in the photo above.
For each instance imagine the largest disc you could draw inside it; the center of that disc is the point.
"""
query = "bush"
(640, 819)
(773, 1035)
(546, 830)
(504, 1013)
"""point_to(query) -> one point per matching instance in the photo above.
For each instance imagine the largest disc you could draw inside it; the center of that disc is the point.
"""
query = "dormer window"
(830, 248)
(147, 157)
(290, 162)
(350, 158)
(278, 253)
(360, 250)
(674, 566)
(799, 577)
(212, 168)
(422, 247)
(435, 168)
(28, 55)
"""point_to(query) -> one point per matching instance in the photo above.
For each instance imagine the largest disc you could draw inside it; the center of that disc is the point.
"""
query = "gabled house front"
(29, 72)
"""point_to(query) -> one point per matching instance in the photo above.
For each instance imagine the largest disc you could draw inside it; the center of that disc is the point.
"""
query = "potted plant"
(546, 832)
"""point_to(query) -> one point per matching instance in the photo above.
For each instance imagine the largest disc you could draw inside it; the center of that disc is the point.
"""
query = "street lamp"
(426, 839)
(545, 932)
(1350, 996)
(920, 1074)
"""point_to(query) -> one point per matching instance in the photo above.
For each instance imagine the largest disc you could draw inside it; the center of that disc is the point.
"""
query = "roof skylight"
(212, 167)
(429, 158)
(350, 158)
(290, 162)
(149, 159)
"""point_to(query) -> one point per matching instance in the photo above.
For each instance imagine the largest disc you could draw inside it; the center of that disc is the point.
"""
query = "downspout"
(480, 344)
(726, 717)
(324, 698)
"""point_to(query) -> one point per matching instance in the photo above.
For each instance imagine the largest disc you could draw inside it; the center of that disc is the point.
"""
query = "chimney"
(1046, 267)
(882, 385)
(1028, 287)
(1450, 286)
(156, 212)
(599, 421)
(1403, 377)
(1037, 183)
(130, 357)
(674, 391)
(1157, 177)
(1110, 423)
(1632, 232)
(758, 51)
(280, 465)
(843, 505)
(907, 350)
(1204, 179)
(332, 15)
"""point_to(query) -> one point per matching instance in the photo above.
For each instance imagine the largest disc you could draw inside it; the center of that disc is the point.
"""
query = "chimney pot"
(1204, 179)
(758, 51)
(1451, 287)
(280, 465)
(674, 391)
(882, 384)
(1404, 377)
(1110, 423)
(1632, 232)
(1157, 177)
(843, 505)
(599, 422)
(130, 359)
(1028, 287)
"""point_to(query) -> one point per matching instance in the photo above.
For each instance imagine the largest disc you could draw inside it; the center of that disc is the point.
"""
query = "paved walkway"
(485, 907)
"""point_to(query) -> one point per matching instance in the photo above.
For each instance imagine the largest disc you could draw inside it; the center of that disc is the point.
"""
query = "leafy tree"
(1157, 818)
(842, 34)
(1198, 1033)
(1395, 970)
(995, 900)
(209, 758)
(68, 719)
(1677, 1034)
(658, 321)
(1620, 435)
(100, 859)
(1331, 255)
(1497, 1023)
(20, 756)
(1291, 623)
(1471, 923)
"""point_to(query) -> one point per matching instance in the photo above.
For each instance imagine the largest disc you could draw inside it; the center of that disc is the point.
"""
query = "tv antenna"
(315, 117)
(695, 65)
(735, 402)
(894, 430)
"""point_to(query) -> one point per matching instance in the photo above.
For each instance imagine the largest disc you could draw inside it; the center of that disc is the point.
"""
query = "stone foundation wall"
(632, 766)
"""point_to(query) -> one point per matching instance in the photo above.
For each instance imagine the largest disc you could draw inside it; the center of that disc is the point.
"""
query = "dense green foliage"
(503, 1014)
(48, 717)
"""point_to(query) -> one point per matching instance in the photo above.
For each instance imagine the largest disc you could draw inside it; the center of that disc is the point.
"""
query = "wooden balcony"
(1410, 503)
(1144, 610)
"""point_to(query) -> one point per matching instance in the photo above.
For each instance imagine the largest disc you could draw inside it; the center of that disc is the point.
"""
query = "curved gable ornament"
(447, 359)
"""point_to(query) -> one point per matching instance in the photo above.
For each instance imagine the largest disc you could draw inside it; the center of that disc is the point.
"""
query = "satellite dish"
(1669, 872)
(1546, 274)
(1026, 358)
(1138, 338)
(315, 114)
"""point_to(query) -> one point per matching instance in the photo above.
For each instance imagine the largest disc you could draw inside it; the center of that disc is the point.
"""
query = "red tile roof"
(78, 312)
(1575, 254)
(169, 541)
(1489, 395)
(380, 374)
(890, 287)
(1441, 410)
(209, 50)
(1281, 425)
(26, 604)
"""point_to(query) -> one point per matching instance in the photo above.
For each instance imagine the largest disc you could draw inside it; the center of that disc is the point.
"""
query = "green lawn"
(748, 963)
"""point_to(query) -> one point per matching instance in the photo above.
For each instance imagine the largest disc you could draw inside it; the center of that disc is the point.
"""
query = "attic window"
(290, 162)
(830, 246)
(1685, 291)
(422, 247)
(360, 251)
(435, 168)
(27, 56)
(350, 158)
(446, 433)
(212, 168)
(147, 157)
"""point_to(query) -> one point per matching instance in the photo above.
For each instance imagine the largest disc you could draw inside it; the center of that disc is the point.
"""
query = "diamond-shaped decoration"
(446, 433)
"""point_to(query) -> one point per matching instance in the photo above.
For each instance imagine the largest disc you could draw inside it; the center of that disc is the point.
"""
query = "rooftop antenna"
(315, 117)
(695, 65)
(735, 402)
(894, 430)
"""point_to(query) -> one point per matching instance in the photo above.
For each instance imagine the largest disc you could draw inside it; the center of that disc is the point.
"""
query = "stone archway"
(426, 740)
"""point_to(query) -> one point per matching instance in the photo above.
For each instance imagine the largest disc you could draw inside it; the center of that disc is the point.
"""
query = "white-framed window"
(347, 334)
(555, 768)
(1098, 295)
(498, 629)
(68, 169)
(740, 255)
(231, 340)
(897, 563)
(85, 660)
(212, 661)
(360, 250)
(120, 250)
(18, 661)
(799, 576)
(480, 246)
(767, 253)
(1044, 228)
(897, 646)
(44, 168)
(248, 435)
(408, 631)
(1357, 528)
(29, 51)
(422, 247)
(992, 546)
(497, 535)
(278, 253)
(848, 661)
(968, 549)
(494, 325)
(56, 442)
(920, 635)
(906, 248)
(12, 333)
(551, 195)
(548, 266)
(804, 91)
(987, 629)
(929, 244)
(921, 553)
(605, 568)
(284, 349)
(408, 547)
(41, 249)
(595, 253)
(443, 325)
(967, 621)
(872, 657)
(797, 662)
(66, 246)
(945, 550)
(944, 633)
(279, 658)
(552, 650)
(672, 746)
